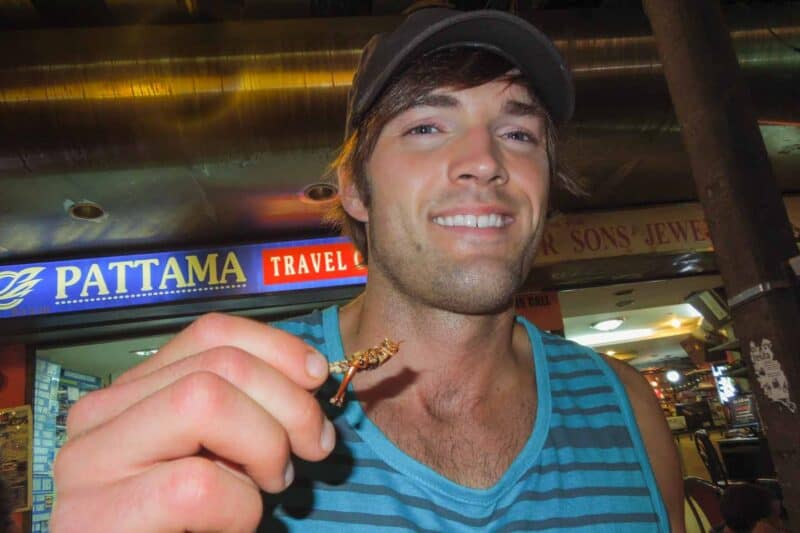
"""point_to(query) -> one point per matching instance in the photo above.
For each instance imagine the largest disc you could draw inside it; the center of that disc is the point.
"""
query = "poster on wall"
(15, 454)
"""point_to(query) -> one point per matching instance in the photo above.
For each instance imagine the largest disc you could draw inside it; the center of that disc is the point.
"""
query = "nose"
(477, 157)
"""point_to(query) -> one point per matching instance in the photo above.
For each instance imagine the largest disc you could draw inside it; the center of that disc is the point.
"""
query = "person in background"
(480, 422)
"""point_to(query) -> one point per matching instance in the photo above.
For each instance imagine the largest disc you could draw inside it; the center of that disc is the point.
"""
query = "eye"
(422, 129)
(521, 136)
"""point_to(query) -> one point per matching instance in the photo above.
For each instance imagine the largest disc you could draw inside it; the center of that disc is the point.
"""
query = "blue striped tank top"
(584, 467)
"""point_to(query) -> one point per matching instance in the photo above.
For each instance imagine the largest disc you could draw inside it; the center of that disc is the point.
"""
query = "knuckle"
(231, 363)
(200, 395)
(192, 485)
(211, 327)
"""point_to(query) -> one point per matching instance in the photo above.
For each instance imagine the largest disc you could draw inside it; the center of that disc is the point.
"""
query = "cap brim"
(502, 33)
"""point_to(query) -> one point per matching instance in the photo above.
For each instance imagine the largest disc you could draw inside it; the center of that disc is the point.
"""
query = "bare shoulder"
(639, 391)
(657, 438)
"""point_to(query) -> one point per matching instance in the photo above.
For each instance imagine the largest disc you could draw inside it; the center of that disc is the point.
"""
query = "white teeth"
(472, 221)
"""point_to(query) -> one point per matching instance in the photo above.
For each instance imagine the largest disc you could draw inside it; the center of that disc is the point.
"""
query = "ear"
(350, 198)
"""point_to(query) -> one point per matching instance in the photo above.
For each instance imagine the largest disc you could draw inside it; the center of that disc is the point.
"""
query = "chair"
(719, 474)
(710, 457)
(703, 499)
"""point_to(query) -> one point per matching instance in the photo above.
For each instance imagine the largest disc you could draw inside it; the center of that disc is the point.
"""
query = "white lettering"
(172, 271)
(208, 269)
(66, 276)
(232, 266)
(94, 278)
(120, 267)
(358, 259)
(302, 265)
(147, 280)
(316, 260)
(276, 262)
(288, 265)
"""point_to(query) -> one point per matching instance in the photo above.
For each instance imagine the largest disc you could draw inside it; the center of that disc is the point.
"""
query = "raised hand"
(185, 440)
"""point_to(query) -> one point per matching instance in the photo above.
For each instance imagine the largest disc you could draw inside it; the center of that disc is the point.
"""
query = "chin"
(476, 293)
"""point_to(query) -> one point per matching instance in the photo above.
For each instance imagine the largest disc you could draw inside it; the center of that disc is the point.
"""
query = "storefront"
(83, 322)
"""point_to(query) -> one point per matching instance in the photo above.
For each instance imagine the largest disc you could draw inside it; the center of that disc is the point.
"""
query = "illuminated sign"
(726, 388)
(129, 280)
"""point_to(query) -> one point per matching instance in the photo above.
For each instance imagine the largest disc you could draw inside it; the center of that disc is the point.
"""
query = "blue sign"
(131, 280)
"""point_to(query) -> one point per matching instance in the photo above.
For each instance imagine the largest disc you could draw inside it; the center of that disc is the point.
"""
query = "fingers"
(200, 411)
(283, 351)
(297, 411)
(194, 432)
(189, 494)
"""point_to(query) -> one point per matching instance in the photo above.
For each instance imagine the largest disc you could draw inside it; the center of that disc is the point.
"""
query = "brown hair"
(458, 68)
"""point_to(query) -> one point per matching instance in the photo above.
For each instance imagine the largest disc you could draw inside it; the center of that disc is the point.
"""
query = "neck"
(446, 360)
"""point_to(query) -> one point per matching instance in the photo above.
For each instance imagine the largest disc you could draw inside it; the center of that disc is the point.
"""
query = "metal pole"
(747, 219)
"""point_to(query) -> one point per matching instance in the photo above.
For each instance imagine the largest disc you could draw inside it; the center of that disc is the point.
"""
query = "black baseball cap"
(437, 28)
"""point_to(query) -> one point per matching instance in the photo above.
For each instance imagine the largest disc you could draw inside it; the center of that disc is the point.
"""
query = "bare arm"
(657, 440)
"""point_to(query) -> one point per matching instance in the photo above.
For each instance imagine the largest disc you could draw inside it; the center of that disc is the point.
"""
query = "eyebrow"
(511, 107)
(435, 100)
(521, 109)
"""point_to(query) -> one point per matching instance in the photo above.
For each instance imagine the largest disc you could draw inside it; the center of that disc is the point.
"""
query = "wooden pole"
(749, 227)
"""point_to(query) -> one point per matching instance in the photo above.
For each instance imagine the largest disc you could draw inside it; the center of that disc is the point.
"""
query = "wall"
(12, 366)
(12, 391)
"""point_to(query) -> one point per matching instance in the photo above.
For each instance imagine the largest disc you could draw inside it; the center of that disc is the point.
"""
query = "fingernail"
(328, 438)
(316, 365)
(288, 474)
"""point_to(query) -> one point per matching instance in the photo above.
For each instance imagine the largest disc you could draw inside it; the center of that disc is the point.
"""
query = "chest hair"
(473, 449)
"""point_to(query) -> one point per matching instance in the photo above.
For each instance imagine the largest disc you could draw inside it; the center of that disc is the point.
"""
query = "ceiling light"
(691, 311)
(319, 192)
(673, 376)
(608, 325)
(147, 352)
(675, 322)
(612, 337)
(85, 210)
(611, 352)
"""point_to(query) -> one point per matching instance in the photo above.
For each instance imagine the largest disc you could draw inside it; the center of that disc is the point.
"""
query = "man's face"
(459, 192)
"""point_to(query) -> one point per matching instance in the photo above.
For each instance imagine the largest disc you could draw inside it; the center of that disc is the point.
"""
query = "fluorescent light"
(145, 353)
(608, 325)
(692, 311)
(612, 337)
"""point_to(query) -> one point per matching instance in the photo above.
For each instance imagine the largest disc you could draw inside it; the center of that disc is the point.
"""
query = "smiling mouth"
(494, 220)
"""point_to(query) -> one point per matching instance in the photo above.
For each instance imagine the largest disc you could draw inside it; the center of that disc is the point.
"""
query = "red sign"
(293, 264)
(541, 308)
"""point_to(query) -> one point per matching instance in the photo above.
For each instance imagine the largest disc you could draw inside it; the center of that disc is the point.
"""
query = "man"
(480, 422)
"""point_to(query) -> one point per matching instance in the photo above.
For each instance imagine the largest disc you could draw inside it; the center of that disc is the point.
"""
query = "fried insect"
(363, 360)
